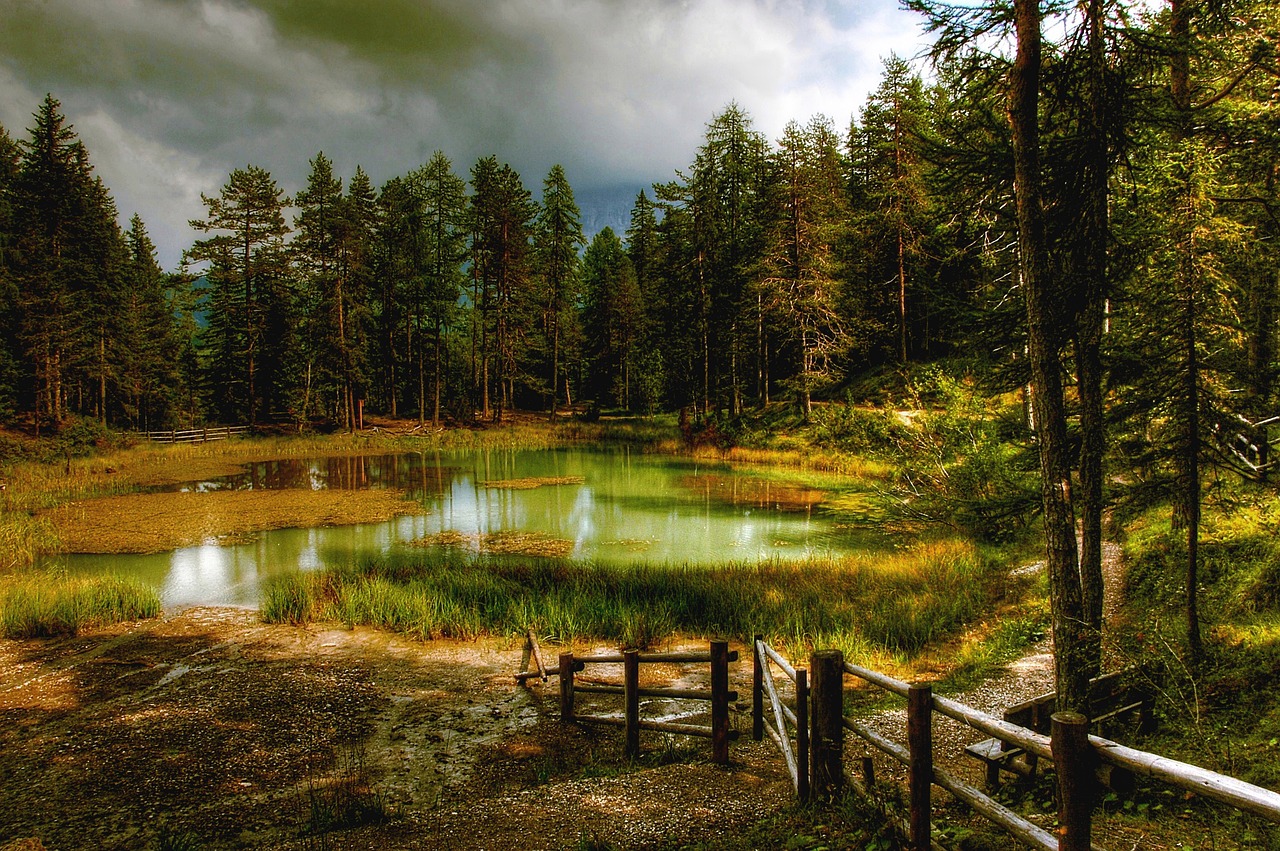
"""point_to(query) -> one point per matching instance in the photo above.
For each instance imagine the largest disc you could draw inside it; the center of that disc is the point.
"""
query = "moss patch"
(533, 482)
(501, 543)
(155, 522)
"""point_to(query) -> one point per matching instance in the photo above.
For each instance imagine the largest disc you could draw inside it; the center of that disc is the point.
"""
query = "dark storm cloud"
(169, 95)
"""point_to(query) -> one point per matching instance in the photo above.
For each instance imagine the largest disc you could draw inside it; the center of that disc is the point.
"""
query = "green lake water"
(629, 507)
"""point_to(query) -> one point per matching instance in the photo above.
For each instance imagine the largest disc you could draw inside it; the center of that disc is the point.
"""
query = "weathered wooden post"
(920, 771)
(826, 740)
(1073, 760)
(757, 690)
(868, 773)
(720, 702)
(566, 687)
(802, 735)
(631, 701)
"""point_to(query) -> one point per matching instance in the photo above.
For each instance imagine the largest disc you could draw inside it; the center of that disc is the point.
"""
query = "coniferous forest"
(765, 270)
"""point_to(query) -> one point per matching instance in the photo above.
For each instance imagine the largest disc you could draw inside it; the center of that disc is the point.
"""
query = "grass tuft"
(868, 606)
(49, 605)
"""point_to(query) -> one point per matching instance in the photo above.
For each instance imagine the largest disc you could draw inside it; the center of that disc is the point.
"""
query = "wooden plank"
(826, 738)
(779, 736)
(1201, 781)
(657, 726)
(920, 770)
(529, 675)
(781, 662)
(803, 790)
(757, 688)
(1019, 828)
(1073, 757)
(631, 702)
(997, 728)
(885, 682)
(720, 702)
(537, 656)
(567, 667)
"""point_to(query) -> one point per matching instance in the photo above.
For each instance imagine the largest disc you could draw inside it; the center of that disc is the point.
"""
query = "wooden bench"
(1114, 698)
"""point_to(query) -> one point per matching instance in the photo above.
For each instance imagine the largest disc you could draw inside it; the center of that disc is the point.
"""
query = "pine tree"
(148, 347)
(502, 213)
(439, 282)
(613, 319)
(557, 237)
(65, 244)
(248, 292)
(800, 282)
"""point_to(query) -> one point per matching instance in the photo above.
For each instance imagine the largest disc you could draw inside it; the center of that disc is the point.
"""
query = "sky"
(170, 95)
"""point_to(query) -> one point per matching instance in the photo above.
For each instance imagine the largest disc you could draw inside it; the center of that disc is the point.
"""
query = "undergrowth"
(49, 604)
(866, 606)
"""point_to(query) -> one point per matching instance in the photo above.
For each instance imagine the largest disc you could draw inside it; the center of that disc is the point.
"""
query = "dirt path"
(212, 724)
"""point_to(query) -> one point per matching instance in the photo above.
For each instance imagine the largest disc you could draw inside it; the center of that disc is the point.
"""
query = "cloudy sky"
(170, 95)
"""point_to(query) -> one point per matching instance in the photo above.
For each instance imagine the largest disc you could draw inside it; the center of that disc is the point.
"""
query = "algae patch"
(501, 543)
(155, 522)
(534, 482)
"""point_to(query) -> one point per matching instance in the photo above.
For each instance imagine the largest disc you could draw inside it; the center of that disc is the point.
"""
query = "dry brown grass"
(155, 522)
(501, 543)
(532, 482)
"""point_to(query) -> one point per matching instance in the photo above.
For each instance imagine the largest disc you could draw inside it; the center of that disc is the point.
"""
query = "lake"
(608, 505)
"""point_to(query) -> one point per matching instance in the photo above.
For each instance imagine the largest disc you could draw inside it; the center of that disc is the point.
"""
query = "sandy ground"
(211, 724)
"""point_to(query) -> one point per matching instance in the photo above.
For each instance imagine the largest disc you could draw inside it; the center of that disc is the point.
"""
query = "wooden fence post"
(826, 740)
(720, 702)
(1073, 761)
(566, 687)
(757, 690)
(631, 701)
(802, 735)
(920, 771)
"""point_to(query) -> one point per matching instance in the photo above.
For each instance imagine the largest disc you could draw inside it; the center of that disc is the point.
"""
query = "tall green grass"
(897, 604)
(48, 605)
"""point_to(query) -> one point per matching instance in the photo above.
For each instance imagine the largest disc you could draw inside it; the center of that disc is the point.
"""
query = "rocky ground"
(212, 728)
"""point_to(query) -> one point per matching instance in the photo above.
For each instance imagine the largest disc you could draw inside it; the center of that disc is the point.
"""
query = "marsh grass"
(871, 607)
(49, 604)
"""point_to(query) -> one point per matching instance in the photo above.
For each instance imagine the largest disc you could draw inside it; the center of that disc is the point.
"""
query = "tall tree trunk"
(1045, 319)
(555, 364)
(1187, 507)
(1093, 280)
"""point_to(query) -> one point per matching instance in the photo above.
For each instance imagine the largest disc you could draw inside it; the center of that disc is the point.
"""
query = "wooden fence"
(194, 435)
(719, 656)
(1075, 754)
(762, 685)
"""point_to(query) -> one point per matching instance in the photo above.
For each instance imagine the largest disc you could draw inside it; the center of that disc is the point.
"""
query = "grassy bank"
(1223, 713)
(49, 604)
(881, 607)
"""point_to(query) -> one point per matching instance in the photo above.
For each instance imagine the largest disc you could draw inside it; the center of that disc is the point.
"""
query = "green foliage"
(960, 464)
(897, 603)
(46, 605)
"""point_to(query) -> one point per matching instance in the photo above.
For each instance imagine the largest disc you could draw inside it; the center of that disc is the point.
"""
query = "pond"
(615, 505)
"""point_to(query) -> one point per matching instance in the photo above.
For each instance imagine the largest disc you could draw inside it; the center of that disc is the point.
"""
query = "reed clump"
(870, 606)
(48, 604)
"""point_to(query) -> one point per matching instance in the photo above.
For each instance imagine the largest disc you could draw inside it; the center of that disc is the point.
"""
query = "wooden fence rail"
(762, 685)
(718, 695)
(195, 435)
(1074, 752)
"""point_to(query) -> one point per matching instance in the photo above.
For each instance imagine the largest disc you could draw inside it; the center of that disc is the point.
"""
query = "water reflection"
(627, 507)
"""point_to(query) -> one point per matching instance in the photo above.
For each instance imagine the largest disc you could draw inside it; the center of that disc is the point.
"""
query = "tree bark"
(1045, 317)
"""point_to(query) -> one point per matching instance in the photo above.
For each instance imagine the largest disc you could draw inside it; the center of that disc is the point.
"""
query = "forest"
(765, 270)
(1028, 292)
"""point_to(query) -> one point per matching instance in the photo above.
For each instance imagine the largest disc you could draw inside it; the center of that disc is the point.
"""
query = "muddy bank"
(212, 725)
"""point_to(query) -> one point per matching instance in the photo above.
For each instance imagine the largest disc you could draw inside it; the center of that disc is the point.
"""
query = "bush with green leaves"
(961, 459)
